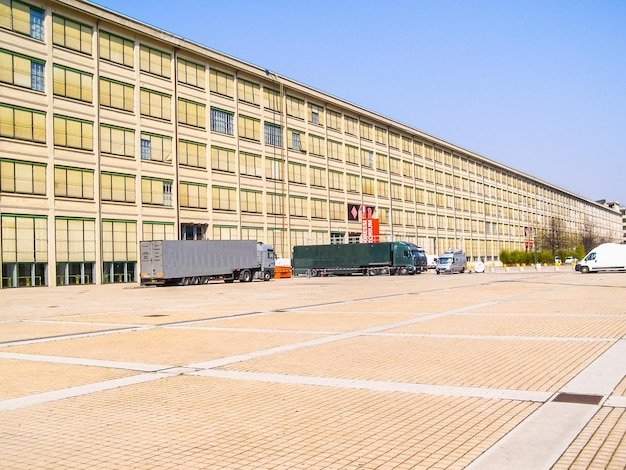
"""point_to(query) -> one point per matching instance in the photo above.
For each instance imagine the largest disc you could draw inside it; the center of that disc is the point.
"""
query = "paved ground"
(501, 370)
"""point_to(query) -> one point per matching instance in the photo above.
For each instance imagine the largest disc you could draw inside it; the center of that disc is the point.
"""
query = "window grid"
(73, 182)
(221, 121)
(117, 187)
(22, 123)
(21, 70)
(191, 154)
(155, 62)
(22, 177)
(71, 34)
(191, 73)
(273, 135)
(223, 159)
(71, 83)
(117, 49)
(73, 133)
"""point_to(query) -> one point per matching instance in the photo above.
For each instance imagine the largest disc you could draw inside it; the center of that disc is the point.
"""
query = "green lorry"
(354, 258)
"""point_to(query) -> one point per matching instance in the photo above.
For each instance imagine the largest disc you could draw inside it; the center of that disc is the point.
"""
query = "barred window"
(221, 121)
(273, 135)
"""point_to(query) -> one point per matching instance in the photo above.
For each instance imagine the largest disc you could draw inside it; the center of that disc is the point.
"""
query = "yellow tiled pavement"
(342, 373)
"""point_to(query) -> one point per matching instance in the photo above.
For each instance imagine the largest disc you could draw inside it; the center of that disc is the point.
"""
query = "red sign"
(371, 233)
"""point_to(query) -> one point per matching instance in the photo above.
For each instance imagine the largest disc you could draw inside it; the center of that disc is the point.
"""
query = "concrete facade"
(113, 131)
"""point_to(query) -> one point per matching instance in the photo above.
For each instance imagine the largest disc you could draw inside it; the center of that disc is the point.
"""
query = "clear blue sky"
(537, 85)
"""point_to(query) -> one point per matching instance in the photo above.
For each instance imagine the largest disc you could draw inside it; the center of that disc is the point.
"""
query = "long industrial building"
(113, 131)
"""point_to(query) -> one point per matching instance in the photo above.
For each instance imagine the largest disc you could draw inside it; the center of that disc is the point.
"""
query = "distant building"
(113, 131)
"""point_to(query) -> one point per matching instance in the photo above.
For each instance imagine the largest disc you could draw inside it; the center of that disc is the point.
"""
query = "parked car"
(571, 260)
(557, 260)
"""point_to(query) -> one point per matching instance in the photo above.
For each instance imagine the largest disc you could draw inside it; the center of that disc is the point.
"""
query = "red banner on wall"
(371, 233)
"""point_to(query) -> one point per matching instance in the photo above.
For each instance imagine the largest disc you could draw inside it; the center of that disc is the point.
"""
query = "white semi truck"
(604, 257)
(186, 262)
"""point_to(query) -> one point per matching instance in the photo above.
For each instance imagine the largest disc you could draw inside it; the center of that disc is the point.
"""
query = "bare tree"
(554, 237)
(590, 238)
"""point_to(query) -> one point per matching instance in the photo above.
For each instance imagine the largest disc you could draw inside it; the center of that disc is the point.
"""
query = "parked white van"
(605, 257)
(452, 261)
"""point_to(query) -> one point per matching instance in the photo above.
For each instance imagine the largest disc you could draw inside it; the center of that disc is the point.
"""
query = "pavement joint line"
(62, 322)
(539, 440)
(71, 392)
(76, 361)
(381, 386)
(499, 337)
(256, 330)
(46, 339)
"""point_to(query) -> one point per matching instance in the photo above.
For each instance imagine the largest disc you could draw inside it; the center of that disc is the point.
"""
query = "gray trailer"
(186, 262)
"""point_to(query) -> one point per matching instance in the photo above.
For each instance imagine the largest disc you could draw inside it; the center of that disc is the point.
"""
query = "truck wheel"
(245, 276)
(267, 275)
(584, 269)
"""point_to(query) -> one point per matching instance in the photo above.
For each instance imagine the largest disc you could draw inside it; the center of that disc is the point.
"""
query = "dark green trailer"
(355, 258)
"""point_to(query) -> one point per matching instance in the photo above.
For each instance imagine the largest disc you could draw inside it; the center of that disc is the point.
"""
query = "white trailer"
(604, 257)
(186, 262)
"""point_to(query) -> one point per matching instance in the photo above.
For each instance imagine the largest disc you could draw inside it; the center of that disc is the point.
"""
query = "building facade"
(113, 131)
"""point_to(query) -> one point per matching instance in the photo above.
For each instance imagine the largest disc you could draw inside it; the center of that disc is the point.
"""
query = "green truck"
(355, 258)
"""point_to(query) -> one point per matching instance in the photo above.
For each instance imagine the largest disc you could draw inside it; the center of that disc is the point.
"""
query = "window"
(191, 73)
(318, 177)
(71, 34)
(22, 123)
(337, 211)
(248, 92)
(273, 169)
(272, 100)
(351, 125)
(22, 18)
(155, 61)
(117, 49)
(407, 169)
(333, 120)
(156, 191)
(316, 145)
(223, 159)
(191, 154)
(21, 70)
(334, 150)
(155, 104)
(191, 113)
(367, 158)
(297, 172)
(381, 162)
(221, 83)
(383, 188)
(381, 135)
(221, 121)
(409, 194)
(335, 180)
(193, 195)
(117, 187)
(73, 182)
(249, 128)
(396, 191)
(24, 250)
(116, 94)
(395, 165)
(315, 114)
(406, 144)
(119, 250)
(75, 250)
(250, 164)
(352, 154)
(251, 201)
(318, 209)
(275, 204)
(366, 131)
(158, 231)
(156, 147)
(298, 206)
(224, 198)
(397, 217)
(72, 83)
(273, 134)
(367, 186)
(294, 140)
(354, 183)
(73, 133)
(22, 177)
(295, 107)
(117, 140)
